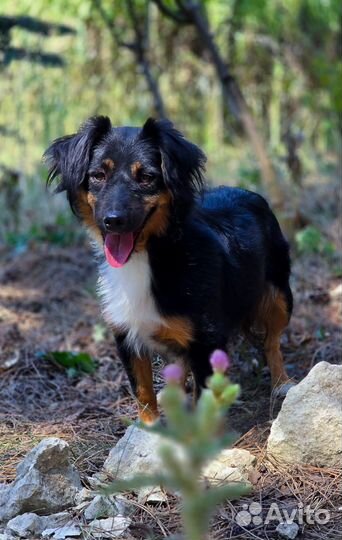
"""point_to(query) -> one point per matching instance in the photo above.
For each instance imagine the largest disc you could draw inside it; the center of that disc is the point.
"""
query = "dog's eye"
(145, 178)
(97, 175)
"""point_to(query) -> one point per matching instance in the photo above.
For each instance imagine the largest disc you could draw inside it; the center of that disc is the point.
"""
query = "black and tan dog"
(181, 266)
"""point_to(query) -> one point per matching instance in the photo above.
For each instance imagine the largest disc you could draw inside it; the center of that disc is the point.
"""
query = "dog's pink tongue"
(118, 248)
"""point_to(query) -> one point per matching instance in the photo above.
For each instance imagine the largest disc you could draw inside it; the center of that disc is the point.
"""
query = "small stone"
(97, 480)
(288, 530)
(231, 465)
(152, 495)
(29, 523)
(26, 525)
(124, 506)
(84, 495)
(5, 536)
(337, 291)
(114, 527)
(101, 507)
(62, 532)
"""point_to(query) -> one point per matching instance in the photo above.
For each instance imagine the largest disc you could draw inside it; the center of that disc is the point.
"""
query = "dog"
(181, 266)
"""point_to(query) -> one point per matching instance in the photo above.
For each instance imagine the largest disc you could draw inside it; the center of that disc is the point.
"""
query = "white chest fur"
(127, 299)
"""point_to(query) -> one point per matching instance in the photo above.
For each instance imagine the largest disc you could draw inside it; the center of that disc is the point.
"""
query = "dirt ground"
(48, 303)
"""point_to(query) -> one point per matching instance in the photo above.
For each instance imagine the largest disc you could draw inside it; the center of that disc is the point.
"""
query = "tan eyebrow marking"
(109, 163)
(135, 167)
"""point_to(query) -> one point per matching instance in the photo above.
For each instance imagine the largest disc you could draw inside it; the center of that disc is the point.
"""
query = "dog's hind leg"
(274, 315)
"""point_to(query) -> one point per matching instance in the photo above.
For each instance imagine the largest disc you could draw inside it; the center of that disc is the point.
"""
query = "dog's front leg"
(139, 371)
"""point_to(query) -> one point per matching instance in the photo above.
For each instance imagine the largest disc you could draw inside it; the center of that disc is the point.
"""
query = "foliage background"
(284, 55)
(59, 372)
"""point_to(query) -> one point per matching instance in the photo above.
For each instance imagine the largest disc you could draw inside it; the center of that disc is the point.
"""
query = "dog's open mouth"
(119, 247)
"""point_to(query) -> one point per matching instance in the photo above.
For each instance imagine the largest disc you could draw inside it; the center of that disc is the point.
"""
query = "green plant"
(74, 363)
(310, 240)
(249, 177)
(197, 434)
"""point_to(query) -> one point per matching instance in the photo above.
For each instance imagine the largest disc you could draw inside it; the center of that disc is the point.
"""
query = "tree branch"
(170, 13)
(141, 43)
(233, 97)
(139, 47)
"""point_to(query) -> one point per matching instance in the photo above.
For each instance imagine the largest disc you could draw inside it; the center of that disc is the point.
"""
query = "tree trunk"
(141, 50)
(236, 103)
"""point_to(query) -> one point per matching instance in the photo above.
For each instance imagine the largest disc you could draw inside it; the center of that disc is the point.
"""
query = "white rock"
(231, 465)
(110, 527)
(308, 428)
(101, 507)
(62, 532)
(6, 536)
(152, 495)
(84, 495)
(97, 481)
(46, 482)
(30, 524)
(26, 525)
(135, 453)
(124, 506)
(337, 291)
(288, 530)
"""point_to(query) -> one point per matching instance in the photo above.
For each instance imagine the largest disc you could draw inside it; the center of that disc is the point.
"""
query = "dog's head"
(125, 183)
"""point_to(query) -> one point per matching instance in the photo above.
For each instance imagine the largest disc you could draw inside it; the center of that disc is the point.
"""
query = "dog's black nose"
(115, 222)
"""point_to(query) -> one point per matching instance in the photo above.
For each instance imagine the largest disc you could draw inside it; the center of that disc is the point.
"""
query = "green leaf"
(309, 240)
(75, 363)
(139, 481)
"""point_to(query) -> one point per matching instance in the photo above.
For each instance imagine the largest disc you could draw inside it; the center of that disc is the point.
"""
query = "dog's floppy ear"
(182, 162)
(68, 158)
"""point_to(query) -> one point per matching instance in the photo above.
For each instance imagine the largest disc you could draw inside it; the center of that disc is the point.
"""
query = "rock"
(231, 465)
(308, 428)
(26, 525)
(62, 532)
(46, 482)
(337, 291)
(110, 527)
(124, 506)
(101, 507)
(97, 480)
(84, 495)
(30, 525)
(135, 453)
(288, 530)
(152, 495)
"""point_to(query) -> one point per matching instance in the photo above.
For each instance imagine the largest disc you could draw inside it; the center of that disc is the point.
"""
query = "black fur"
(68, 157)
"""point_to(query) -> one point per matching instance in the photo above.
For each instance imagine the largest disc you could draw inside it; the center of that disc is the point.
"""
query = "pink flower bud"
(173, 373)
(220, 361)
